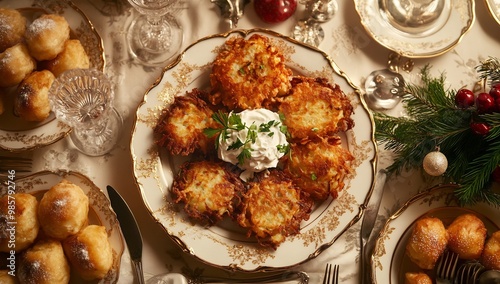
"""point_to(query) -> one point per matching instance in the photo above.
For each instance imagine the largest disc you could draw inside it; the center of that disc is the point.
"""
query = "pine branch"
(490, 70)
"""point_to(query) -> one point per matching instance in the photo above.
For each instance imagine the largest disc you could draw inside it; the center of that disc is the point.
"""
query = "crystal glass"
(83, 99)
(154, 37)
(384, 89)
(309, 30)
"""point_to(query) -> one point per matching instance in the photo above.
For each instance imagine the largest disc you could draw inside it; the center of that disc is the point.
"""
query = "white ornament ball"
(435, 163)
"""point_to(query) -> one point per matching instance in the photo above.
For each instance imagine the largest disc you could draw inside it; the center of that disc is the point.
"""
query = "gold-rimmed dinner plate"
(225, 245)
(17, 135)
(389, 261)
(100, 211)
(422, 44)
(494, 8)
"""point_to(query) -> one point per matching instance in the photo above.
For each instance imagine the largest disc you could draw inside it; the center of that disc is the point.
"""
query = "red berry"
(275, 11)
(495, 92)
(480, 128)
(464, 98)
(485, 103)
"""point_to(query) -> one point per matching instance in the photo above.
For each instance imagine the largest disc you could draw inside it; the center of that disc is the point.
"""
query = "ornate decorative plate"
(494, 8)
(226, 245)
(17, 135)
(389, 260)
(422, 44)
(100, 212)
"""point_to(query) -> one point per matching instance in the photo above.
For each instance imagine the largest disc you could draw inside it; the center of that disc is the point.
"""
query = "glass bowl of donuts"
(431, 223)
(38, 42)
(57, 227)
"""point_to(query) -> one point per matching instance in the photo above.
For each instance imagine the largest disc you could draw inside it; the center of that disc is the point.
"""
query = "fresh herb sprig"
(233, 122)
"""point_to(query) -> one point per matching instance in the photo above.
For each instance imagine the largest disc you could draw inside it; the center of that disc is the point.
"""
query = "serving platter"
(494, 8)
(17, 135)
(100, 211)
(225, 245)
(426, 44)
(389, 261)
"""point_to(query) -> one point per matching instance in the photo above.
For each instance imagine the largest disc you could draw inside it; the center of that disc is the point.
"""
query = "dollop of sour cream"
(264, 150)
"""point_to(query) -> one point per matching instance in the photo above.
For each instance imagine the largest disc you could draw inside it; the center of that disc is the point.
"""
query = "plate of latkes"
(17, 132)
(211, 206)
(90, 230)
(432, 213)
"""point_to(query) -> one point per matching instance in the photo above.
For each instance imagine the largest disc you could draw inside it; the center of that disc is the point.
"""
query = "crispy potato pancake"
(208, 189)
(315, 108)
(181, 126)
(319, 166)
(246, 73)
(272, 208)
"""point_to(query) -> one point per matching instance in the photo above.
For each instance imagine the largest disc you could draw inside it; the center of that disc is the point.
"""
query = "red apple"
(275, 11)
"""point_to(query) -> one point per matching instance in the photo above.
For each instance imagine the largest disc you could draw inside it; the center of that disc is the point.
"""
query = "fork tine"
(336, 272)
(19, 164)
(447, 264)
(328, 271)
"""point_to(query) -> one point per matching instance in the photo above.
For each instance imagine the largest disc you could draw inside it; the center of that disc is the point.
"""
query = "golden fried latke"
(319, 166)
(467, 235)
(273, 207)
(13, 26)
(180, 129)
(315, 108)
(491, 253)
(208, 189)
(31, 101)
(427, 242)
(417, 278)
(248, 72)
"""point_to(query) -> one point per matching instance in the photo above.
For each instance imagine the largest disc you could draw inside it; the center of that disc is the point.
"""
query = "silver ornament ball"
(435, 163)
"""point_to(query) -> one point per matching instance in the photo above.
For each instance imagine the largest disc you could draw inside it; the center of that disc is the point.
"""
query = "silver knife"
(130, 230)
(369, 218)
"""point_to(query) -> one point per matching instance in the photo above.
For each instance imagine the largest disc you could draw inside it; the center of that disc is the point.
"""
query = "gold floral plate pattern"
(494, 8)
(17, 135)
(100, 212)
(226, 245)
(426, 45)
(389, 260)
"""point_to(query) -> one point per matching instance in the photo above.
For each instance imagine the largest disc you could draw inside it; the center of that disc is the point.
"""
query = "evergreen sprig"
(434, 121)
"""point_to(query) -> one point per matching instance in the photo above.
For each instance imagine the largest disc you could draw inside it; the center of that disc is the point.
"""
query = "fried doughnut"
(46, 35)
(13, 26)
(246, 73)
(73, 56)
(15, 64)
(208, 189)
(272, 208)
(491, 253)
(181, 126)
(427, 242)
(315, 108)
(44, 263)
(31, 101)
(467, 235)
(89, 252)
(417, 278)
(319, 167)
(63, 210)
(5, 278)
(24, 206)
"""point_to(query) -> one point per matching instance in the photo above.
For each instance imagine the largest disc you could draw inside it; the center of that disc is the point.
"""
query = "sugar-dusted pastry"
(46, 36)
(73, 56)
(89, 252)
(491, 253)
(44, 263)
(467, 235)
(31, 101)
(15, 64)
(23, 223)
(417, 278)
(427, 242)
(12, 28)
(63, 210)
(5, 278)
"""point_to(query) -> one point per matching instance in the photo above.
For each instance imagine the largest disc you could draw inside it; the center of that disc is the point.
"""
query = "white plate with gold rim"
(100, 211)
(224, 245)
(494, 8)
(389, 262)
(17, 135)
(443, 38)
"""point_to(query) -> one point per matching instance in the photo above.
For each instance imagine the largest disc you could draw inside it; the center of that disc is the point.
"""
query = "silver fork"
(331, 274)
(9, 165)
(468, 272)
(446, 268)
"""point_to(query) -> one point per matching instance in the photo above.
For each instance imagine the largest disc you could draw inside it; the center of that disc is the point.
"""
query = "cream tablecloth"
(346, 41)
